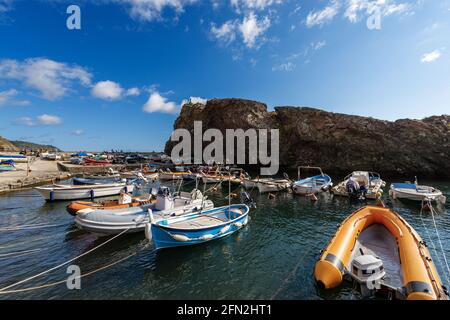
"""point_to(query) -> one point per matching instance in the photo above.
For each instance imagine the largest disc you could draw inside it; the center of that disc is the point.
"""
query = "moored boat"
(71, 192)
(416, 192)
(96, 162)
(196, 227)
(124, 201)
(134, 219)
(265, 185)
(7, 165)
(360, 184)
(313, 184)
(18, 158)
(379, 250)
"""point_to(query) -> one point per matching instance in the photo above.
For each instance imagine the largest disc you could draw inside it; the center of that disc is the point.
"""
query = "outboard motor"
(352, 187)
(368, 271)
(164, 200)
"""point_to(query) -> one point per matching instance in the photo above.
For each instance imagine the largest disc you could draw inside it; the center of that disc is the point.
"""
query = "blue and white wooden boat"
(197, 227)
(93, 181)
(15, 157)
(312, 185)
(415, 192)
(7, 165)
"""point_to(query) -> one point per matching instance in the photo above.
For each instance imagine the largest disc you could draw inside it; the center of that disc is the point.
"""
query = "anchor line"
(52, 284)
(431, 240)
(62, 264)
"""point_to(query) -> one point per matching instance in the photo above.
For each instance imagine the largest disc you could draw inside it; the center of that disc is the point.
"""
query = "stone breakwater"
(339, 143)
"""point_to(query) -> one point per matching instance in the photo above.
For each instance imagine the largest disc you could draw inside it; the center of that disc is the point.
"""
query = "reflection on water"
(272, 257)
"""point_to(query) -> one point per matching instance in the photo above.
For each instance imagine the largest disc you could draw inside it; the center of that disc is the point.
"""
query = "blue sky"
(119, 81)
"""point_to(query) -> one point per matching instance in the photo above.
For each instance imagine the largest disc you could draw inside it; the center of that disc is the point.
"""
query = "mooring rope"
(62, 264)
(18, 253)
(440, 243)
(431, 240)
(52, 284)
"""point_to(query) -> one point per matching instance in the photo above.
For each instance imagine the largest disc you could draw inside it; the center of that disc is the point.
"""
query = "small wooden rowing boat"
(313, 184)
(265, 185)
(18, 158)
(95, 162)
(379, 250)
(124, 201)
(7, 165)
(196, 227)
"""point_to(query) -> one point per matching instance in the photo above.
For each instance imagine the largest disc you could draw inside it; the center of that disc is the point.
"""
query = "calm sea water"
(273, 257)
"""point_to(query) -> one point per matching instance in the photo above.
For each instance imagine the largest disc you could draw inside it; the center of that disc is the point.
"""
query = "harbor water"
(273, 257)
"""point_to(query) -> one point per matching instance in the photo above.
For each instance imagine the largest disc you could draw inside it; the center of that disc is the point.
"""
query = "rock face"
(7, 146)
(338, 143)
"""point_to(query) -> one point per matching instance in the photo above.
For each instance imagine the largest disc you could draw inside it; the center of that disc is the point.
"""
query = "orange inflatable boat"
(378, 249)
(76, 206)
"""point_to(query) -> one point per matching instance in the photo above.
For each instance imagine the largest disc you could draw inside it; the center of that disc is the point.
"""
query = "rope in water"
(52, 284)
(62, 264)
(18, 253)
(431, 240)
(440, 243)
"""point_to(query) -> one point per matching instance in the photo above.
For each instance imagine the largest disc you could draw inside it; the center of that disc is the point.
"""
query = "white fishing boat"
(72, 192)
(265, 185)
(363, 184)
(134, 219)
(416, 192)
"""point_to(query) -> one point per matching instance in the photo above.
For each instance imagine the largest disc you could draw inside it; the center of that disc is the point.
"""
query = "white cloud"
(48, 120)
(5, 5)
(158, 103)
(107, 90)
(226, 33)
(133, 92)
(44, 119)
(77, 132)
(254, 4)
(150, 10)
(51, 78)
(318, 45)
(251, 29)
(194, 100)
(357, 8)
(431, 56)
(25, 121)
(5, 96)
(288, 66)
(320, 17)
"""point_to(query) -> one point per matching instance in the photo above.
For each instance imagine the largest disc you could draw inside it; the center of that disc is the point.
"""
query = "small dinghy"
(71, 192)
(170, 175)
(18, 158)
(197, 227)
(133, 219)
(312, 185)
(360, 184)
(379, 250)
(416, 192)
(265, 185)
(125, 201)
(7, 165)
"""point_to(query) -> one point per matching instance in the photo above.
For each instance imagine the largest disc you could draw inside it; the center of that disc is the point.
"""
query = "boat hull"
(165, 236)
(94, 191)
(131, 220)
(417, 269)
(427, 193)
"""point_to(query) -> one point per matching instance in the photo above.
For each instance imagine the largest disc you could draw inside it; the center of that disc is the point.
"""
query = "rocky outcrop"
(7, 146)
(338, 143)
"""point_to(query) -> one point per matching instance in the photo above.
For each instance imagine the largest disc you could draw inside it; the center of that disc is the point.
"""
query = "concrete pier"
(37, 172)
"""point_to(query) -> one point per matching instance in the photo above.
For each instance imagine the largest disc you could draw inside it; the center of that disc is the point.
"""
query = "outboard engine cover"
(164, 200)
(368, 271)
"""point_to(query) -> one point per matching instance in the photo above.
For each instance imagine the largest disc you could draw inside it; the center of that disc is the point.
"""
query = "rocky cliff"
(5, 145)
(338, 143)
